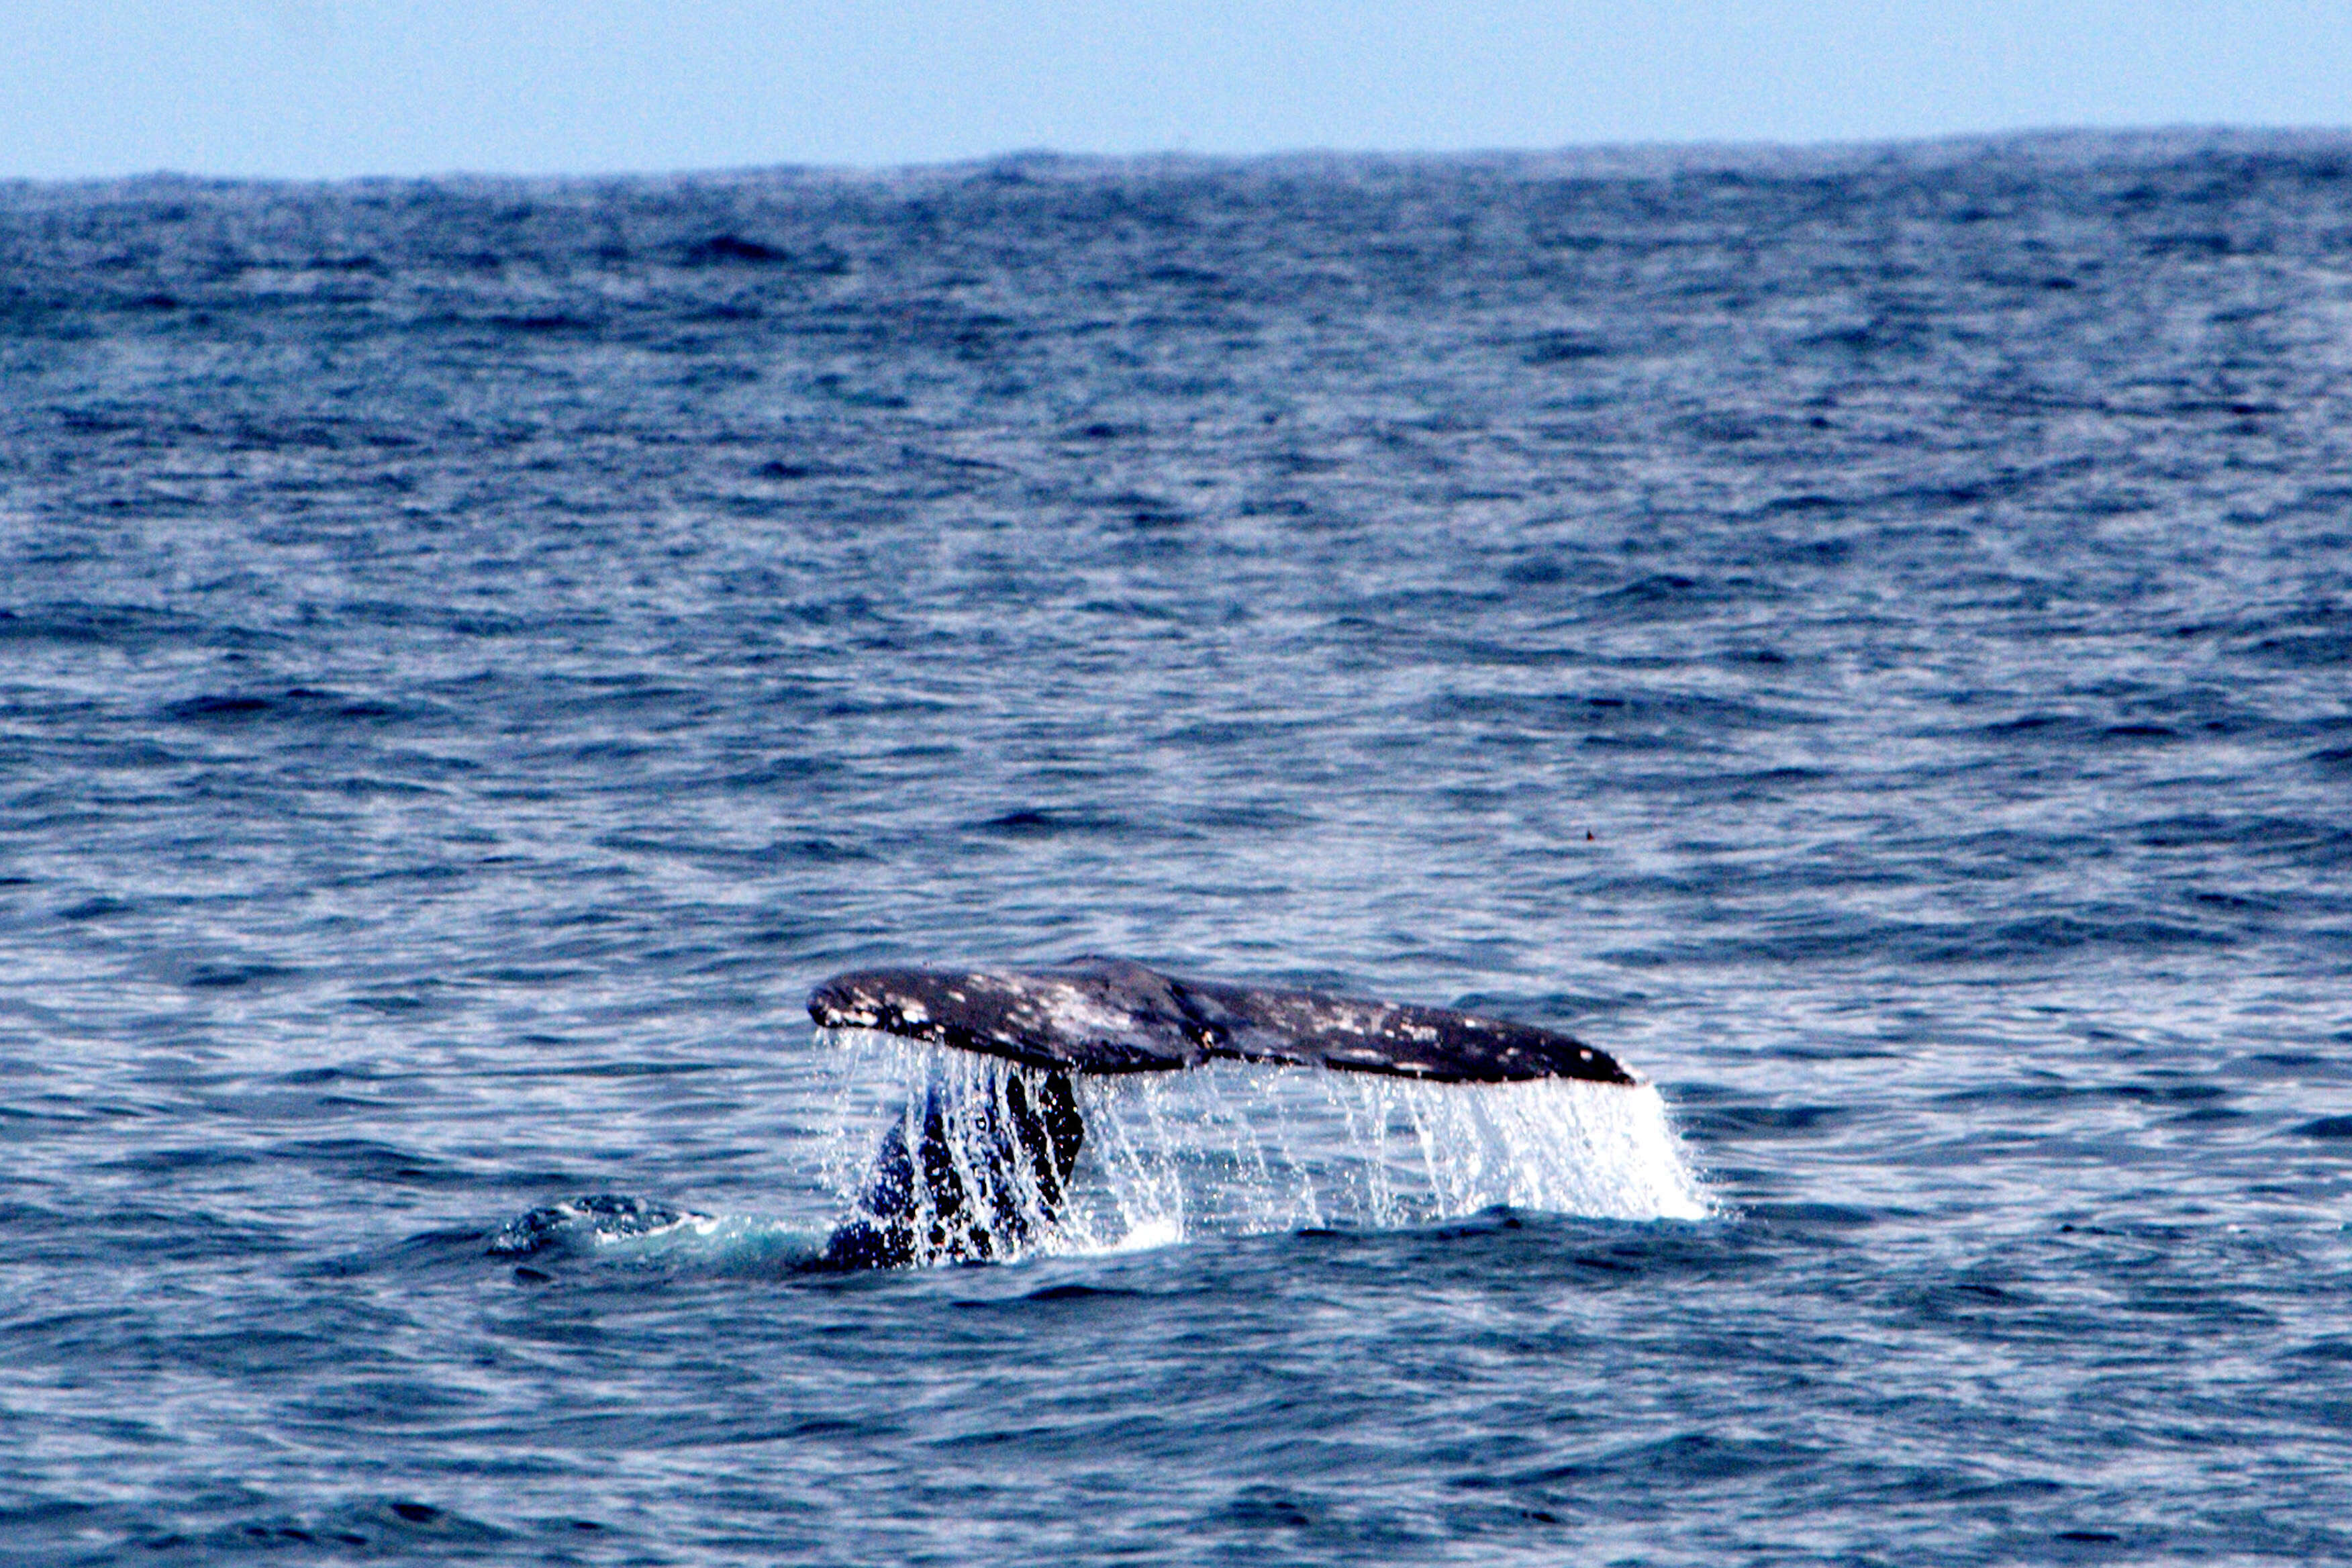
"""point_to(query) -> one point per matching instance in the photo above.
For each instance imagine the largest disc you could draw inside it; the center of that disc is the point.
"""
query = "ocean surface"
(1864, 636)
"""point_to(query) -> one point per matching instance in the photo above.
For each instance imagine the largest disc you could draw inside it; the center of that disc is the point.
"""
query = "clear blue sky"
(311, 88)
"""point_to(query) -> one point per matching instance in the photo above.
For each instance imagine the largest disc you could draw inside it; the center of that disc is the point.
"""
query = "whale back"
(1102, 1014)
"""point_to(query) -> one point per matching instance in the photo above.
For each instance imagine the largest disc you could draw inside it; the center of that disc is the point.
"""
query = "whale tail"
(977, 1164)
(1109, 1016)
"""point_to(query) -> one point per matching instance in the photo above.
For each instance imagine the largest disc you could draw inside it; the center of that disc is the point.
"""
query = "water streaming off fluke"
(1235, 1148)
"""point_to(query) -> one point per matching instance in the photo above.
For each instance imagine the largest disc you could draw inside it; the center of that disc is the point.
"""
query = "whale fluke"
(1100, 1014)
(976, 1173)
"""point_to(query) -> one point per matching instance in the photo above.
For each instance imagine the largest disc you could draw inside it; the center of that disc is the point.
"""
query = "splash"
(596, 1218)
(1231, 1148)
(615, 1228)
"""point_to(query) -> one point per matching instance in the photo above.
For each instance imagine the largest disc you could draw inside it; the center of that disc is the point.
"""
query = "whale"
(966, 1174)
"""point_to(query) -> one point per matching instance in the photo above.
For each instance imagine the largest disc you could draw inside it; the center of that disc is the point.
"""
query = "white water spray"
(1231, 1148)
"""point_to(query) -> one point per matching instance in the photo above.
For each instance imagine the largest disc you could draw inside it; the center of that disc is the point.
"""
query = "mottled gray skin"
(1107, 1015)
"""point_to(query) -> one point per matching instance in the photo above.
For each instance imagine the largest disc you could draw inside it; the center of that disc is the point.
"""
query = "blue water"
(1864, 636)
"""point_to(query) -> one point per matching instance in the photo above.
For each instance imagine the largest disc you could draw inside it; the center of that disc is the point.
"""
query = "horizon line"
(2177, 134)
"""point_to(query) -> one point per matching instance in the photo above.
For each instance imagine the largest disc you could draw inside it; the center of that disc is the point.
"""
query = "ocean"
(1862, 634)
